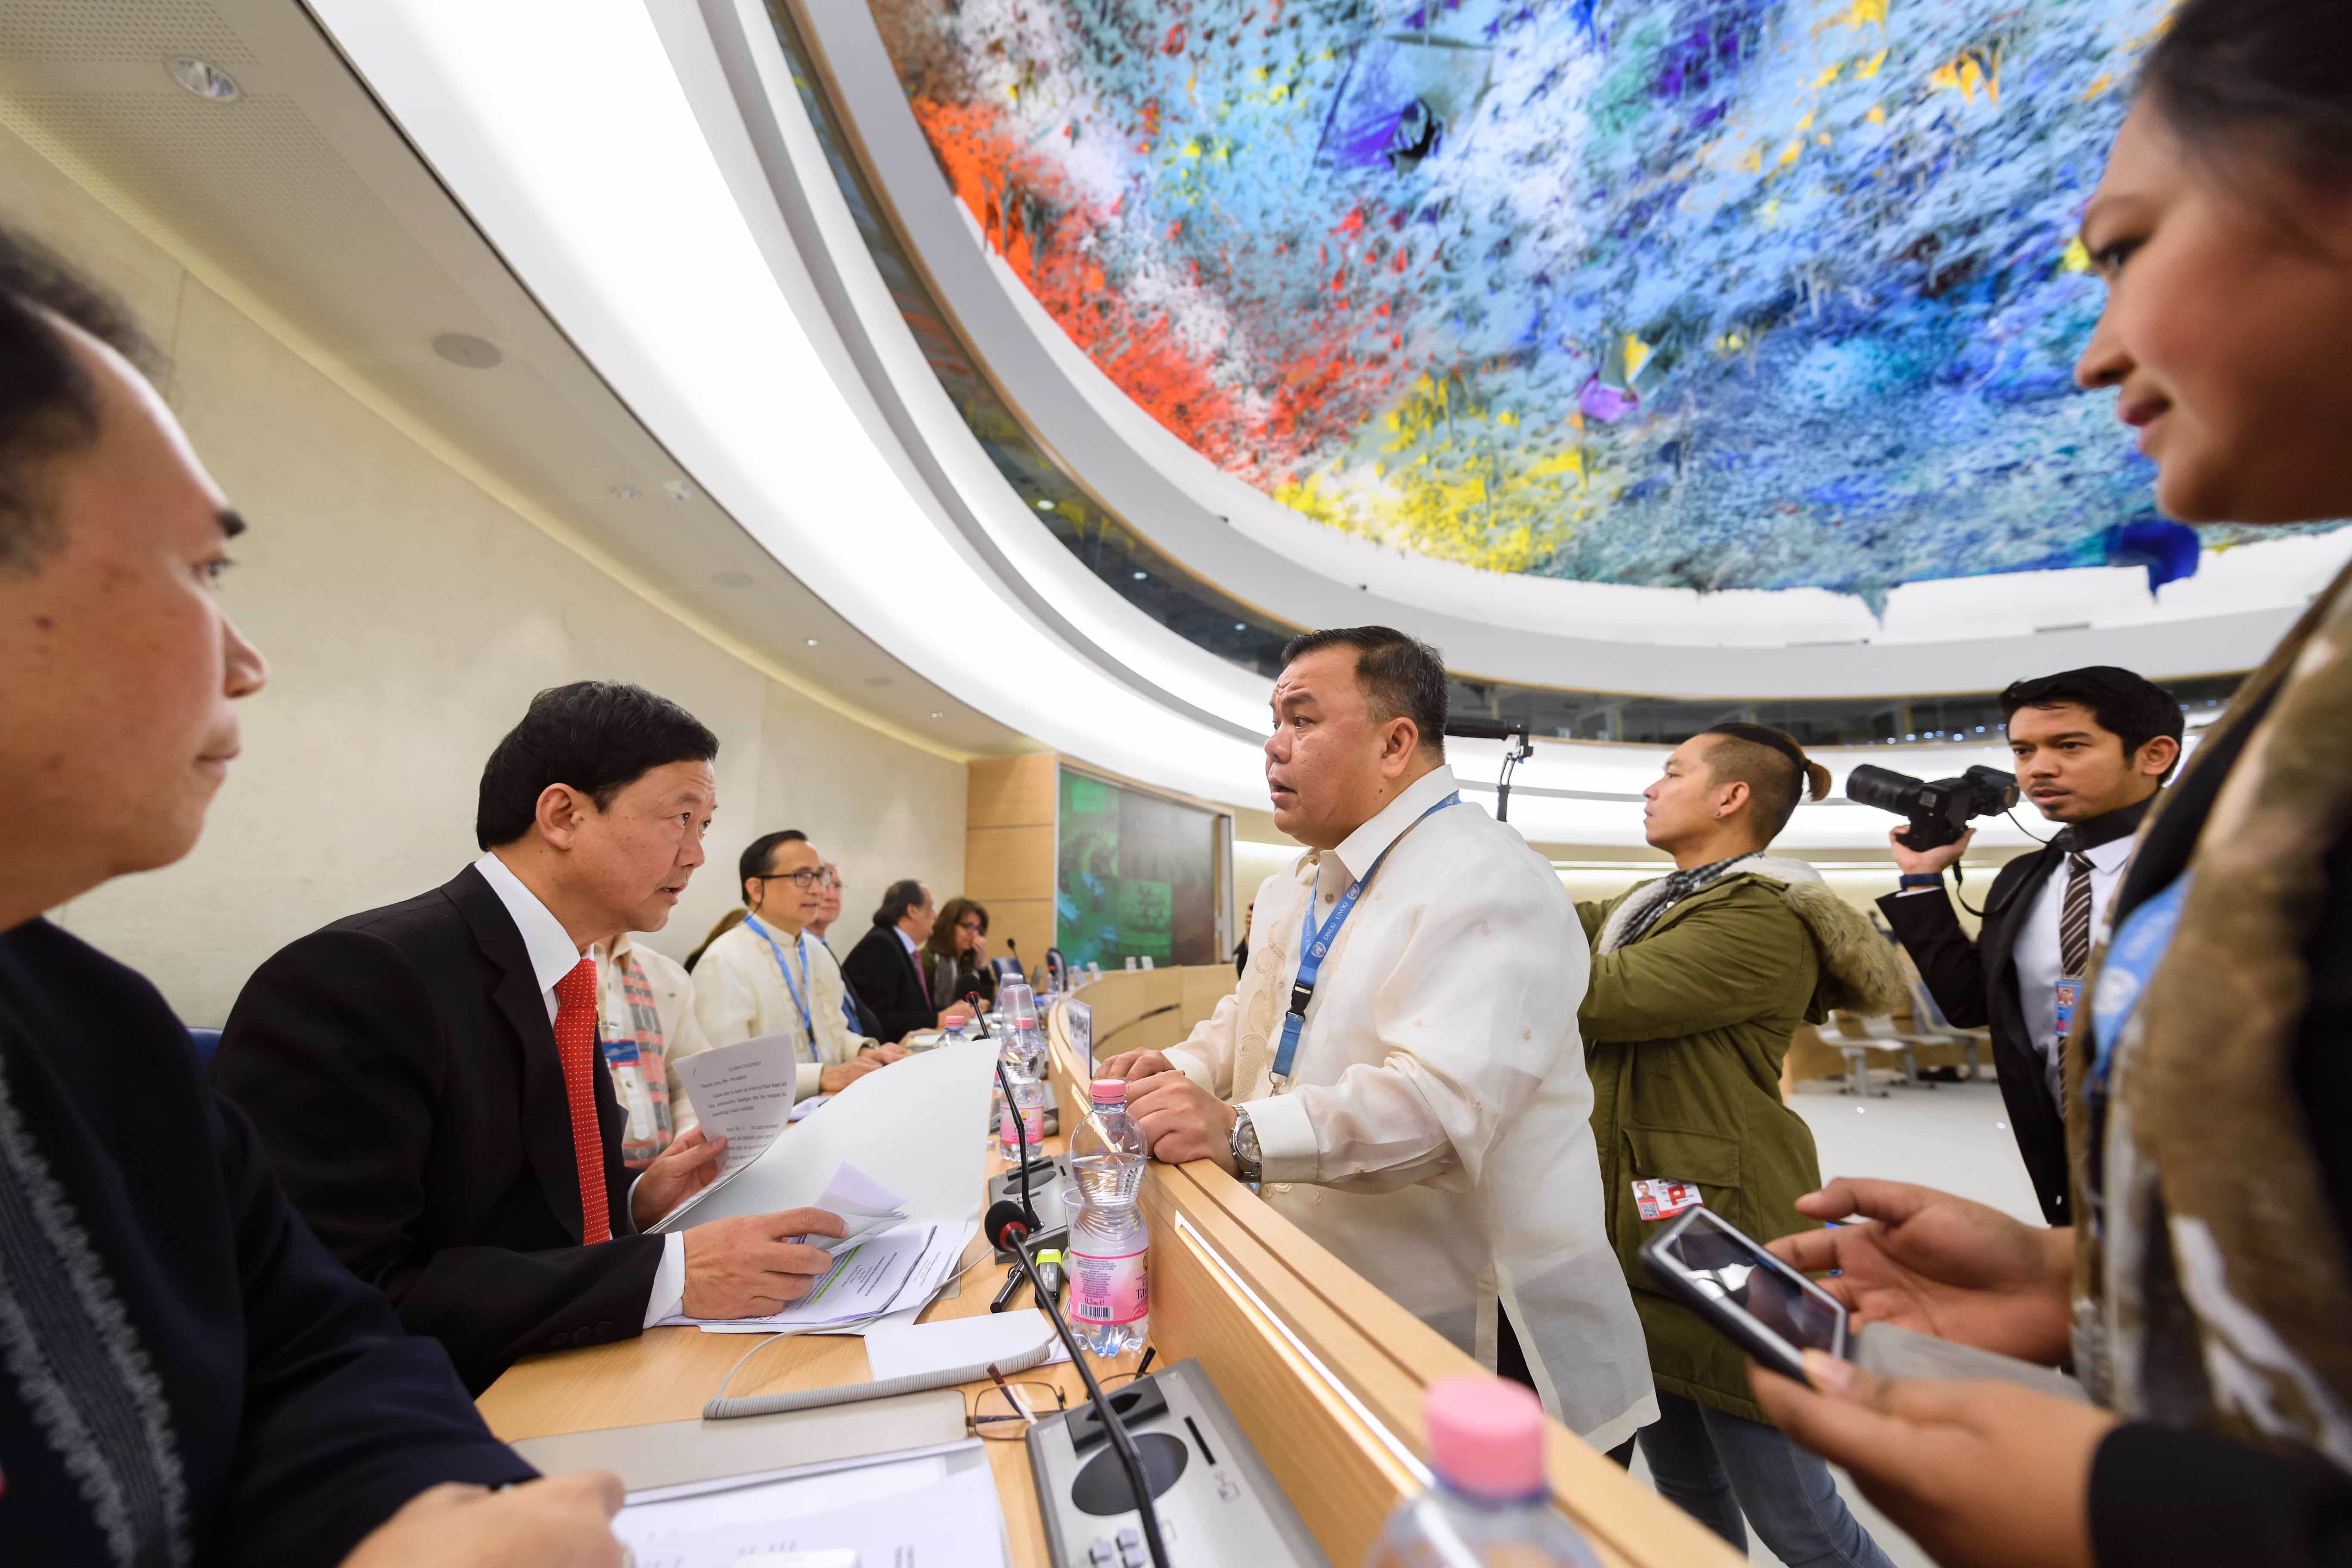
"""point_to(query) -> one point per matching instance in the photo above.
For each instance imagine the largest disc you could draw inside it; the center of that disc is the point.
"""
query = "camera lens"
(1883, 789)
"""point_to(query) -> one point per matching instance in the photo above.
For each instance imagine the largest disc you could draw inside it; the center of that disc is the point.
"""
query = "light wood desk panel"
(1323, 1371)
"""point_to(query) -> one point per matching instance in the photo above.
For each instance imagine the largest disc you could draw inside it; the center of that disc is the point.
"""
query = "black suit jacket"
(869, 1023)
(404, 1075)
(1975, 983)
(279, 1394)
(884, 975)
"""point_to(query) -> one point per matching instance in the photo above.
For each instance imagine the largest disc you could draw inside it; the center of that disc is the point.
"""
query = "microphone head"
(1004, 1217)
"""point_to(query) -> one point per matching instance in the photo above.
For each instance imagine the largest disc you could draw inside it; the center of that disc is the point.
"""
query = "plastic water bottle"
(1487, 1508)
(1020, 1126)
(1019, 1005)
(1109, 1282)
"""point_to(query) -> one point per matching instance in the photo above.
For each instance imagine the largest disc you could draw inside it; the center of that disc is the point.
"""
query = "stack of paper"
(887, 1264)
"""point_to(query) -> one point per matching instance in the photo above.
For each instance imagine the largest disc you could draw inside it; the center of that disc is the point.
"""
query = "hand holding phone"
(1754, 1300)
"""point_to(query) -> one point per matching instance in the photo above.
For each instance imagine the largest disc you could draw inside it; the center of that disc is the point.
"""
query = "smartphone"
(1752, 1299)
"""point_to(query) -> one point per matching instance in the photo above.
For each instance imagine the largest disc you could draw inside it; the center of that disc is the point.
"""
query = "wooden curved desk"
(1322, 1371)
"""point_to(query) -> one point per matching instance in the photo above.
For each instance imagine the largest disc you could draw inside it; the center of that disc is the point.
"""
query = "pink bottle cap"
(1486, 1435)
(1110, 1091)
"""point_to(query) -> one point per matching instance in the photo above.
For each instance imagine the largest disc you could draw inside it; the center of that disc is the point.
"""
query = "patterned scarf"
(1669, 890)
(2215, 1294)
(642, 1086)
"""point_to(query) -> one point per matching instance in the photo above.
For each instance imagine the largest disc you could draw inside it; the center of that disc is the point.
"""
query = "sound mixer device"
(1217, 1504)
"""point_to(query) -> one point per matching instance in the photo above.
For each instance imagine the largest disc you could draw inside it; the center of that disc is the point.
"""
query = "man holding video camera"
(2092, 748)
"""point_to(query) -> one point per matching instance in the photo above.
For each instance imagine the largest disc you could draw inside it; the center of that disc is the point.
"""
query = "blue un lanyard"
(1315, 945)
(800, 992)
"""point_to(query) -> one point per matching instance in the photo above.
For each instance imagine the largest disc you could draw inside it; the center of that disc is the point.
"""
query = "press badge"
(1658, 1199)
(2070, 993)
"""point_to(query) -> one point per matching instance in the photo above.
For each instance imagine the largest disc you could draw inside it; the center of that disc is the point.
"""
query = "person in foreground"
(2204, 1293)
(1699, 980)
(185, 1373)
(1427, 1118)
(2092, 747)
(760, 978)
(424, 1076)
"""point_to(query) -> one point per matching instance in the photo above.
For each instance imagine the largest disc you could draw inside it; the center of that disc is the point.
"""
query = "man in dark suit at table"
(426, 1076)
(185, 1373)
(887, 970)
(2091, 747)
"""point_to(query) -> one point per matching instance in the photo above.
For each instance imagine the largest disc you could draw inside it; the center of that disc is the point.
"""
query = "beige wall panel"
(1009, 863)
(1028, 922)
(1013, 792)
(408, 618)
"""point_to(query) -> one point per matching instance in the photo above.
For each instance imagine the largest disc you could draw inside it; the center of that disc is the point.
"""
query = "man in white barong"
(1422, 1109)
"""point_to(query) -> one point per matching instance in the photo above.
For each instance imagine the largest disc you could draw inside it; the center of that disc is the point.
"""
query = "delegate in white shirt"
(1436, 1130)
(2036, 953)
(740, 994)
(552, 956)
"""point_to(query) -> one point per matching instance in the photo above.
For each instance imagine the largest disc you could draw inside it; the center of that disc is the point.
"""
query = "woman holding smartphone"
(2205, 1294)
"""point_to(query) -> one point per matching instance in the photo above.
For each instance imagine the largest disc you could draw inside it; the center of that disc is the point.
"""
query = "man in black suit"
(185, 1373)
(2092, 748)
(886, 967)
(425, 1075)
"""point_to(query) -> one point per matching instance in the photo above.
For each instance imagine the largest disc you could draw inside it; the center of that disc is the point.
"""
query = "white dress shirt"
(553, 955)
(1435, 1133)
(2036, 951)
(741, 993)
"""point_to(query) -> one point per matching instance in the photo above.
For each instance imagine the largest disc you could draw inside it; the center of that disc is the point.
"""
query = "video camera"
(1939, 812)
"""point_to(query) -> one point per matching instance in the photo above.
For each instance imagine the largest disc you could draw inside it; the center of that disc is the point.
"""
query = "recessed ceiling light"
(811, 642)
(1139, 576)
(205, 79)
(731, 579)
(621, 492)
(1044, 506)
(937, 715)
(467, 351)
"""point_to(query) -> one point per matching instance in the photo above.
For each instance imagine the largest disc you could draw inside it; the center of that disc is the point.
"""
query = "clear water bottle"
(1487, 1506)
(1020, 1125)
(1026, 1035)
(1109, 1283)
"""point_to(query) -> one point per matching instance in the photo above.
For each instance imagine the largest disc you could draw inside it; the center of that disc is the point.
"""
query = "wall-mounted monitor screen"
(1137, 876)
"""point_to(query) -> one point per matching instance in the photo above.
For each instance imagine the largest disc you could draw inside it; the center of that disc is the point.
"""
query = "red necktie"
(575, 1046)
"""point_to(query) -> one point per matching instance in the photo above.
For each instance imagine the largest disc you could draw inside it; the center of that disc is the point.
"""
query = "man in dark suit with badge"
(2092, 748)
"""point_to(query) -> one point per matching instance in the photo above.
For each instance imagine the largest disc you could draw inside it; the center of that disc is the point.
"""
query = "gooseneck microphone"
(1029, 1221)
(1008, 1227)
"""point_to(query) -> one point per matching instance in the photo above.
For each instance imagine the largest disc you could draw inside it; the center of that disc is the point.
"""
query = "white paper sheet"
(958, 1343)
(743, 1093)
(916, 1121)
(922, 1512)
(887, 1271)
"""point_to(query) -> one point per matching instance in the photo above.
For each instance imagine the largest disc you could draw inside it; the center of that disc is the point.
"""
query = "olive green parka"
(1685, 1031)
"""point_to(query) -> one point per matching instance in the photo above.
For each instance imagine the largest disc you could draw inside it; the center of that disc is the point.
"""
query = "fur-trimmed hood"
(1860, 972)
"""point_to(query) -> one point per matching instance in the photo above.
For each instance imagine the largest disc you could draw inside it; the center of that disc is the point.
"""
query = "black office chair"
(206, 1042)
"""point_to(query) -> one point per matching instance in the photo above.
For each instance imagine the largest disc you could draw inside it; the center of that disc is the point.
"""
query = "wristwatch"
(1911, 880)
(1248, 1163)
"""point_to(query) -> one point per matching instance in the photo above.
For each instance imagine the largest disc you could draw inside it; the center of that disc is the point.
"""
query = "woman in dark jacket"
(2205, 1294)
(955, 955)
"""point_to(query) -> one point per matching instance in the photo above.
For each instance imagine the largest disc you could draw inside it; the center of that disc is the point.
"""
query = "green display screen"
(1135, 877)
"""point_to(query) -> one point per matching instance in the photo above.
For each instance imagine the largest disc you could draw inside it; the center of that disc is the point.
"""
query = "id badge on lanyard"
(2069, 996)
(1315, 945)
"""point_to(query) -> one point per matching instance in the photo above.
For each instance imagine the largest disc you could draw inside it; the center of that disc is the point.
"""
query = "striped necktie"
(2074, 916)
(575, 1047)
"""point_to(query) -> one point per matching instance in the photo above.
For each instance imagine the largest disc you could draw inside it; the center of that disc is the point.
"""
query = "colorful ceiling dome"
(1690, 293)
